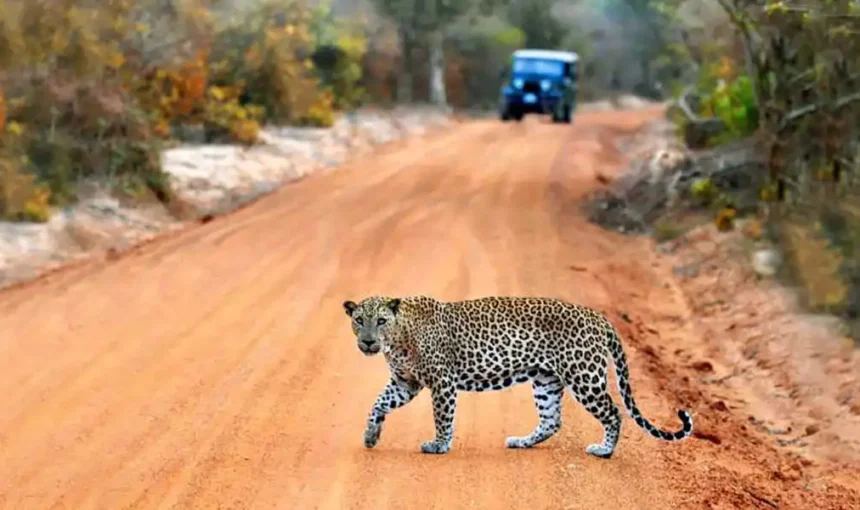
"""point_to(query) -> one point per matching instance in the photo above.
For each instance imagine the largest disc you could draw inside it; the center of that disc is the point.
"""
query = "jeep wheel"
(567, 115)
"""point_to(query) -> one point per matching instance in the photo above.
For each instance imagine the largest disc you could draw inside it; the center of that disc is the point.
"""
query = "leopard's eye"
(380, 321)
(359, 321)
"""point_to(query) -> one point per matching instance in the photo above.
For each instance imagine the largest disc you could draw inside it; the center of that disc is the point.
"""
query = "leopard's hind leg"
(587, 379)
(548, 390)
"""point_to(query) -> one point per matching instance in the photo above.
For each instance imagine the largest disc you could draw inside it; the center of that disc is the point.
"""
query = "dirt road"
(215, 368)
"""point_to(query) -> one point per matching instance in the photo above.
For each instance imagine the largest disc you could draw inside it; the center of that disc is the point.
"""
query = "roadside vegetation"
(785, 86)
(766, 103)
(94, 90)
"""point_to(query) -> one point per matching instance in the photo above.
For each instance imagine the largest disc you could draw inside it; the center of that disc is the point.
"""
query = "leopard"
(493, 343)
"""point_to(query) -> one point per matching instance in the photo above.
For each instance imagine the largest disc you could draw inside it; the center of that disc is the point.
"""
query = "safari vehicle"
(541, 82)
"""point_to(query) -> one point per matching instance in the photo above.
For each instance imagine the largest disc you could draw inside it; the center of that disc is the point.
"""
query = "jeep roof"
(565, 56)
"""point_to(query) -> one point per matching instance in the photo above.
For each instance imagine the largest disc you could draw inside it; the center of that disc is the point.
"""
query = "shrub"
(267, 52)
(704, 191)
(725, 219)
(83, 131)
(93, 88)
(21, 198)
(484, 51)
(225, 117)
(72, 108)
(321, 112)
(728, 95)
(340, 49)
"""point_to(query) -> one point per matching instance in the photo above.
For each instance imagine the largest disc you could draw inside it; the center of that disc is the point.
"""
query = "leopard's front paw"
(436, 447)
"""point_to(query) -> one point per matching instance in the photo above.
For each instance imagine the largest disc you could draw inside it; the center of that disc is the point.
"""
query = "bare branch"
(799, 113)
(802, 76)
(685, 106)
(731, 12)
(845, 101)
(796, 115)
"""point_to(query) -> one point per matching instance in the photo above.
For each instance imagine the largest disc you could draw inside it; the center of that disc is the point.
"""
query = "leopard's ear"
(394, 305)
(350, 307)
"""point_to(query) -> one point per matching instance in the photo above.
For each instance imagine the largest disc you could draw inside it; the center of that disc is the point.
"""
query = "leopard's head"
(372, 319)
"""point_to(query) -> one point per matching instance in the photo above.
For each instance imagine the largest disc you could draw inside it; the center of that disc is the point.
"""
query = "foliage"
(802, 61)
(793, 84)
(266, 52)
(625, 45)
(665, 230)
(422, 16)
(652, 32)
(320, 113)
(21, 198)
(725, 219)
(483, 51)
(538, 24)
(70, 104)
(789, 80)
(340, 48)
(93, 88)
(704, 190)
(423, 21)
(728, 94)
(225, 117)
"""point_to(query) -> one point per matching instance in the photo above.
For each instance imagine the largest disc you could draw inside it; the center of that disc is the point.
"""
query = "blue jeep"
(542, 82)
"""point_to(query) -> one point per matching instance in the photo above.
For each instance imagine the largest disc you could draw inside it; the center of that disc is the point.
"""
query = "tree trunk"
(437, 68)
(647, 75)
(404, 81)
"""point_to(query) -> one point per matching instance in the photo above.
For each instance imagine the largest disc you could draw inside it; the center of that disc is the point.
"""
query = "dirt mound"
(794, 375)
(661, 176)
(621, 102)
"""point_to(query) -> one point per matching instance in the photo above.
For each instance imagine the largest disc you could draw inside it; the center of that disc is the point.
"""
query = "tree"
(649, 30)
(424, 21)
(481, 50)
(802, 62)
(538, 22)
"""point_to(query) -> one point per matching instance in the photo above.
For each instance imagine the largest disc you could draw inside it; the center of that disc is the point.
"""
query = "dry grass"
(816, 264)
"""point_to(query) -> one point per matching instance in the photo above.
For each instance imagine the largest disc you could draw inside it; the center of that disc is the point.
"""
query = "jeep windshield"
(542, 67)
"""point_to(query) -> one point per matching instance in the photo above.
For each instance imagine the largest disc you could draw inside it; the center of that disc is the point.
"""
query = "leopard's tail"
(622, 374)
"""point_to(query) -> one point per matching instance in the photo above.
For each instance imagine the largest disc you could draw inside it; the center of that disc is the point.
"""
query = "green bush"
(338, 56)
(704, 191)
(728, 95)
